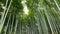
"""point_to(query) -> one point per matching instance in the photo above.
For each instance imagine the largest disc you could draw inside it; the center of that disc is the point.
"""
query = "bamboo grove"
(29, 16)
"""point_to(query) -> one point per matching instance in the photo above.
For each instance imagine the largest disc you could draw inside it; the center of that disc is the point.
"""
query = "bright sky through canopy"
(25, 9)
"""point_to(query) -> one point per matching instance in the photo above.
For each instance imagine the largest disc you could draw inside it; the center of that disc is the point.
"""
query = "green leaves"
(43, 17)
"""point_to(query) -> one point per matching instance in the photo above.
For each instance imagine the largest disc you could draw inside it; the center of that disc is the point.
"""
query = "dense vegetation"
(29, 16)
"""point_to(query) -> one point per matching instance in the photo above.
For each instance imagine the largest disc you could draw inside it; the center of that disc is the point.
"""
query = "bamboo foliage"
(29, 17)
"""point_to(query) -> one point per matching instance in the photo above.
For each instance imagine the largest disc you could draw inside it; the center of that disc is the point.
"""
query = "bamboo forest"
(29, 16)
